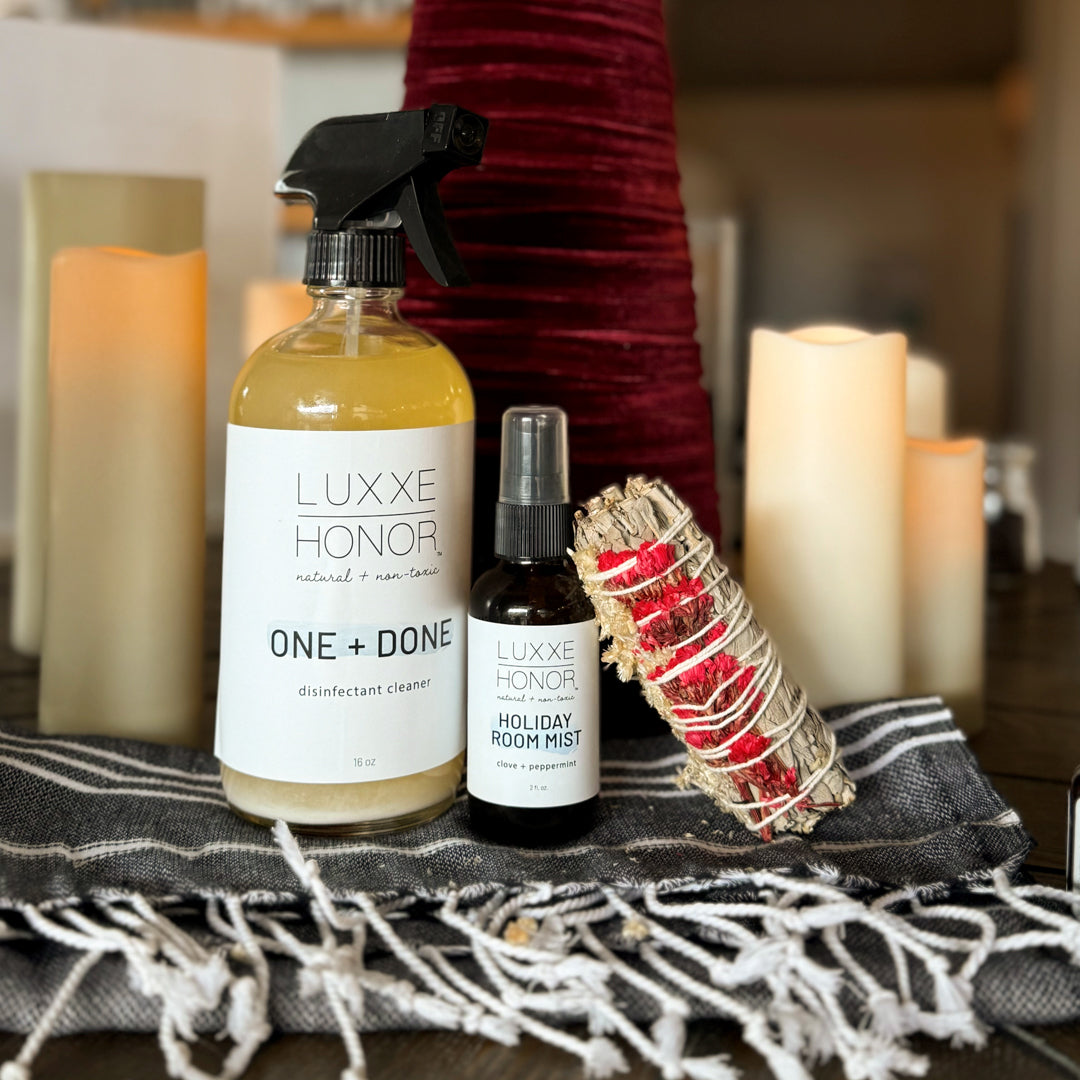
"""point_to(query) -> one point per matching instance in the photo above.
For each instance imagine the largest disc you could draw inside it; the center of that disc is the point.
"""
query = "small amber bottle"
(533, 700)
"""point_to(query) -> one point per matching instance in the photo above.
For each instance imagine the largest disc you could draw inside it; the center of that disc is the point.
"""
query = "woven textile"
(133, 899)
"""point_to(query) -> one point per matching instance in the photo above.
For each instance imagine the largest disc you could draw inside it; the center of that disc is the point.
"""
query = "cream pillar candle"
(122, 646)
(271, 306)
(154, 213)
(927, 398)
(944, 572)
(824, 506)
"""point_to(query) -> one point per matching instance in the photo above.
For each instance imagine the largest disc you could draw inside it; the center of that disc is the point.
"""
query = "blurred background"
(906, 164)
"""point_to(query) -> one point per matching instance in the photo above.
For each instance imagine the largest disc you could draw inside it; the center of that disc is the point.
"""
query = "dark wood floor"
(1030, 746)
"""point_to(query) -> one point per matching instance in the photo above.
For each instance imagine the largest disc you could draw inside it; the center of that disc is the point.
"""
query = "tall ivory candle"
(271, 306)
(824, 506)
(944, 571)
(927, 399)
(153, 213)
(122, 647)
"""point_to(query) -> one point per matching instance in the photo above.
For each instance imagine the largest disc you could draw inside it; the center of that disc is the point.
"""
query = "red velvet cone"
(572, 231)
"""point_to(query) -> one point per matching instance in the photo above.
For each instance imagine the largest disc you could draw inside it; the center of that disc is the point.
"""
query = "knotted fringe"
(543, 962)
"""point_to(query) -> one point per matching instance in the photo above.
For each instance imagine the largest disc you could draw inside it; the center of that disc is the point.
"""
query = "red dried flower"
(643, 608)
(681, 611)
(680, 591)
(650, 560)
(747, 746)
(702, 739)
(608, 560)
(727, 666)
(654, 559)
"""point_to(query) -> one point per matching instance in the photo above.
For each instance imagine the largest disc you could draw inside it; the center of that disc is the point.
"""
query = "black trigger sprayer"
(373, 180)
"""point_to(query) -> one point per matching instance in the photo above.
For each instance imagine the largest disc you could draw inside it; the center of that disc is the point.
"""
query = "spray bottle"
(534, 669)
(341, 700)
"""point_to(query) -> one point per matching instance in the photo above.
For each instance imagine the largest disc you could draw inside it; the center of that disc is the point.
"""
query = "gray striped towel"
(133, 899)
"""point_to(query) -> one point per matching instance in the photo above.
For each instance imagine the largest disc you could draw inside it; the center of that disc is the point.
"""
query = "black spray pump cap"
(533, 517)
(373, 179)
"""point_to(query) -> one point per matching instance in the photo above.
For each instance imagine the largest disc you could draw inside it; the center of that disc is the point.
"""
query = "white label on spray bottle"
(344, 597)
(534, 713)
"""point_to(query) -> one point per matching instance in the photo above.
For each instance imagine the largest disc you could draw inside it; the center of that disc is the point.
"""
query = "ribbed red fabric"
(572, 231)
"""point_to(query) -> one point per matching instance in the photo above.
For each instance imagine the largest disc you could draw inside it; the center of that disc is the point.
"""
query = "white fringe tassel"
(543, 962)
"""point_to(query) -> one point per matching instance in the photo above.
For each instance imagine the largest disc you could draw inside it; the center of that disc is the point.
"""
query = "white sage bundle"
(682, 626)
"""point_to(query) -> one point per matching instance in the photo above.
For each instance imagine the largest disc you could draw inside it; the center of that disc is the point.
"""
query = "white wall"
(105, 100)
(317, 84)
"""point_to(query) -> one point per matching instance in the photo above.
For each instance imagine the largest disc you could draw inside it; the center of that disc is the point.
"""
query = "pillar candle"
(155, 213)
(927, 398)
(824, 506)
(122, 645)
(944, 569)
(271, 306)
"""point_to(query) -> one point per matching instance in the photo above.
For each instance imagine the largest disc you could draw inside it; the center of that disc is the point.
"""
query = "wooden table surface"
(1029, 747)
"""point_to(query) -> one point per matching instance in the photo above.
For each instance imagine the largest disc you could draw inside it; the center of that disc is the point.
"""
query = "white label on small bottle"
(344, 596)
(534, 713)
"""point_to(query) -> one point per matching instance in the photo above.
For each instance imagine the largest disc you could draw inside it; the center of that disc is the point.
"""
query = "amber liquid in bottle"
(353, 365)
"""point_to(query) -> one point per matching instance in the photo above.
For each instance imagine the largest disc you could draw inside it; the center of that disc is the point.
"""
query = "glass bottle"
(355, 365)
(534, 727)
